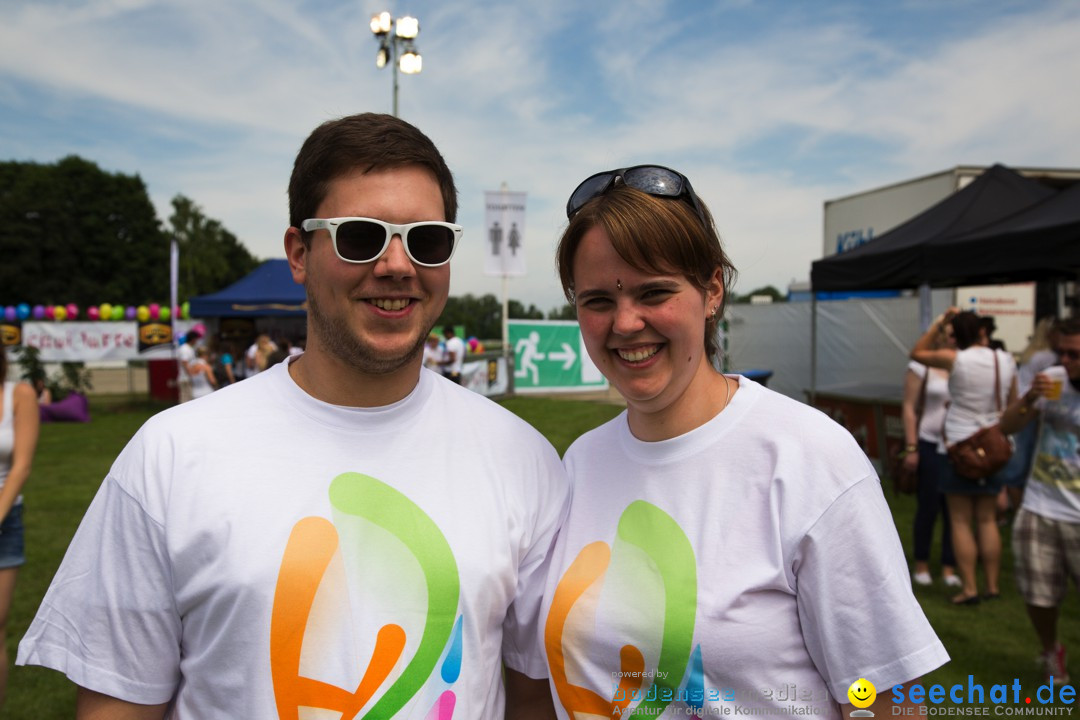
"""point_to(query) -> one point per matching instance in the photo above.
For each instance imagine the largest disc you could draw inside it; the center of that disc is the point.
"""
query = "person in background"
(1046, 532)
(203, 381)
(433, 354)
(926, 394)
(44, 395)
(715, 524)
(989, 327)
(1036, 357)
(982, 382)
(374, 542)
(265, 348)
(453, 361)
(223, 369)
(186, 356)
(19, 423)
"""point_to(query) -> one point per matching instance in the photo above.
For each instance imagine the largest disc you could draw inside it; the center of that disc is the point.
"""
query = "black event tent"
(267, 291)
(924, 251)
(1038, 243)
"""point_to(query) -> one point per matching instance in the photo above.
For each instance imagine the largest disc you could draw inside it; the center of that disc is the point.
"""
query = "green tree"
(482, 316)
(71, 232)
(517, 311)
(211, 258)
(566, 312)
(769, 290)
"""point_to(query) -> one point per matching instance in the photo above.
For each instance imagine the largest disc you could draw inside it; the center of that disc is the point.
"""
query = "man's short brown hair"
(368, 141)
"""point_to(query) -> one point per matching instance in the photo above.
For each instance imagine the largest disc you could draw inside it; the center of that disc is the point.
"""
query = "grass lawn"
(993, 642)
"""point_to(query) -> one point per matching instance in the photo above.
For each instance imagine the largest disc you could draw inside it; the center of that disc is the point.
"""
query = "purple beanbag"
(73, 408)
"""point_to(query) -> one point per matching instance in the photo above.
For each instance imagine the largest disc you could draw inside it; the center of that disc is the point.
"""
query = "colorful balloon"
(9, 313)
(59, 313)
(93, 313)
(129, 312)
(142, 313)
(155, 310)
(38, 312)
(72, 311)
(117, 312)
(165, 314)
(105, 309)
(22, 311)
(50, 312)
(186, 310)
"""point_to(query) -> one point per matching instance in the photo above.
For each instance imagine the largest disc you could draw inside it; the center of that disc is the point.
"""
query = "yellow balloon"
(60, 313)
(105, 310)
(142, 313)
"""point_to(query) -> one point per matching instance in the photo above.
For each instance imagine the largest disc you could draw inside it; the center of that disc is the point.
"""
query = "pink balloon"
(50, 312)
(155, 310)
(93, 313)
(72, 311)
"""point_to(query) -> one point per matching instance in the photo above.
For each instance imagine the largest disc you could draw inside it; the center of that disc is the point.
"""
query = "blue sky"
(770, 108)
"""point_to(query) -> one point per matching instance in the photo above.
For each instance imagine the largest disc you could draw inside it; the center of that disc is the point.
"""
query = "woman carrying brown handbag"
(974, 372)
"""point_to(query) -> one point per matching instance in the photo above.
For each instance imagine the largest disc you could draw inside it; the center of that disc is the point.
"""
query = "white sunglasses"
(362, 240)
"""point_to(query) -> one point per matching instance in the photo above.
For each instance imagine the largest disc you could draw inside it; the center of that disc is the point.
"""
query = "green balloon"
(117, 312)
(164, 314)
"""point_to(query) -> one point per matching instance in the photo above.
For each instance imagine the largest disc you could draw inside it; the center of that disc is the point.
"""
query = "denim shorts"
(950, 483)
(11, 539)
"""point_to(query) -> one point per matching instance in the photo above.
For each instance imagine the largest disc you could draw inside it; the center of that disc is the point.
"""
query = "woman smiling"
(724, 541)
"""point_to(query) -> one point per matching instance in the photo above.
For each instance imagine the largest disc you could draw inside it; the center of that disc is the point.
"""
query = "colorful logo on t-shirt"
(643, 588)
(1057, 459)
(381, 569)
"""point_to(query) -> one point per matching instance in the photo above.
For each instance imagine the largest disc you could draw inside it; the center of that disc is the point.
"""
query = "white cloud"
(768, 118)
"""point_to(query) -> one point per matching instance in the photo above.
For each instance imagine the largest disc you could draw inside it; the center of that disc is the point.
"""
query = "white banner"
(92, 342)
(83, 341)
(504, 235)
(488, 376)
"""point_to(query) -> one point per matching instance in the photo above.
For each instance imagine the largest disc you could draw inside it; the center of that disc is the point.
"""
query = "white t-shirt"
(7, 430)
(752, 562)
(1038, 362)
(246, 574)
(457, 346)
(200, 384)
(1053, 488)
(971, 389)
(937, 396)
(186, 355)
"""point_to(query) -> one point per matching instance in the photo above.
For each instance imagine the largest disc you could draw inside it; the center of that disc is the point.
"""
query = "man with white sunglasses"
(374, 545)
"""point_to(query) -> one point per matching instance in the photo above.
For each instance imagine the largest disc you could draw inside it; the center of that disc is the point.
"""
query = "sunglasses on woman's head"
(362, 240)
(655, 180)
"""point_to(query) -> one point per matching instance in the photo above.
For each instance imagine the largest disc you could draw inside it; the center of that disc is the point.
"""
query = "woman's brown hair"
(653, 235)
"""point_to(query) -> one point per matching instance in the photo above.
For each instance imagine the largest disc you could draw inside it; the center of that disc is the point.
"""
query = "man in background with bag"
(1046, 534)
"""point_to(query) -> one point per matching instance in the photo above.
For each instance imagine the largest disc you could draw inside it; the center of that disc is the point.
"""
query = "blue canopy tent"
(268, 291)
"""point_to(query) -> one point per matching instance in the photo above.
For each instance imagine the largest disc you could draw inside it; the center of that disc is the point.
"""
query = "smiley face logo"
(862, 693)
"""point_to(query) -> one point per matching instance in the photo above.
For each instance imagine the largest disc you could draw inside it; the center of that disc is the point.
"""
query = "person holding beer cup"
(1046, 533)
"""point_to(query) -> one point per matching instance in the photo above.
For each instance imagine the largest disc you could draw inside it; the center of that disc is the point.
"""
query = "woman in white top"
(925, 398)
(19, 421)
(722, 538)
(203, 381)
(973, 406)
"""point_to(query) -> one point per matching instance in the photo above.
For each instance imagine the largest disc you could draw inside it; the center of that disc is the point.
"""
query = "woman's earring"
(713, 313)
